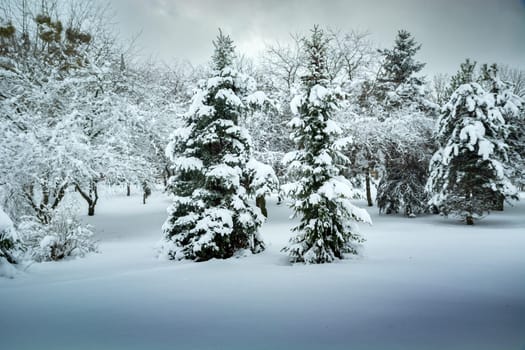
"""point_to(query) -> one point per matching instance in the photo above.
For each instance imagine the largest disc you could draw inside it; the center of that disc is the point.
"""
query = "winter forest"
(324, 194)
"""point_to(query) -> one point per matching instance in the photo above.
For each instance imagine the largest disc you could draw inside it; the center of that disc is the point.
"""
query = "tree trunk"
(470, 220)
(368, 192)
(146, 192)
(260, 202)
(128, 190)
(91, 197)
(91, 209)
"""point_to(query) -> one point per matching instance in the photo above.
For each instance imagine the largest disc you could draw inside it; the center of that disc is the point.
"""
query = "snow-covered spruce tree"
(321, 195)
(468, 171)
(510, 106)
(210, 216)
(397, 82)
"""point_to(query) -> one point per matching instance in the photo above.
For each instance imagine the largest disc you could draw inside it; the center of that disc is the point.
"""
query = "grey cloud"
(450, 30)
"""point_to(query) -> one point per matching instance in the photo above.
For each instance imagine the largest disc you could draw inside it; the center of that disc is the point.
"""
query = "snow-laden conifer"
(321, 195)
(210, 216)
(468, 173)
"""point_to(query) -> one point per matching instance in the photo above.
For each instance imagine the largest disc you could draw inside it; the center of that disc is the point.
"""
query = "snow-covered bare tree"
(210, 216)
(321, 195)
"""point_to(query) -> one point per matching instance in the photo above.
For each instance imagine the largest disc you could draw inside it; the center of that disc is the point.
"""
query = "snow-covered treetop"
(470, 99)
(316, 53)
(399, 64)
(224, 52)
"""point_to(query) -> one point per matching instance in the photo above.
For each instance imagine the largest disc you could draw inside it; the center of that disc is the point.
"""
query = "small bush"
(65, 236)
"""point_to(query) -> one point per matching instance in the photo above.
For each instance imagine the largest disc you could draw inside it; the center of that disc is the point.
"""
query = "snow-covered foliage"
(468, 173)
(262, 180)
(62, 237)
(321, 195)
(397, 83)
(73, 114)
(10, 246)
(406, 114)
(210, 216)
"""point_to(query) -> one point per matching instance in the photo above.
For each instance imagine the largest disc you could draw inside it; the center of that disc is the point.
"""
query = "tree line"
(80, 110)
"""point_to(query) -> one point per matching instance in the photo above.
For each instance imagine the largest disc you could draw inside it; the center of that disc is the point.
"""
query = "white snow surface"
(423, 283)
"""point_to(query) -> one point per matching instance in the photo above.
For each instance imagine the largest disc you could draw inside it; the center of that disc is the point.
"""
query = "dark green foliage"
(465, 75)
(224, 52)
(399, 64)
(403, 185)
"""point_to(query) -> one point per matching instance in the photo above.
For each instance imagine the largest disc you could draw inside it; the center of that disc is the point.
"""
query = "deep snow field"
(423, 283)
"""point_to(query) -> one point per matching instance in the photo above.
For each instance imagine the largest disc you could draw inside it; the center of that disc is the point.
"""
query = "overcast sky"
(450, 30)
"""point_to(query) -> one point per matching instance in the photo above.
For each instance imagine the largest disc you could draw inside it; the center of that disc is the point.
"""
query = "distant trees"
(78, 112)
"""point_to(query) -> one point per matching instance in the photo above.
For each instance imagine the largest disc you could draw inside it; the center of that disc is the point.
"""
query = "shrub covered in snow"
(64, 236)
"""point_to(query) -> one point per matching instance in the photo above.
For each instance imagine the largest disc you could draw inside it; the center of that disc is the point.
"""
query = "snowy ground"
(424, 283)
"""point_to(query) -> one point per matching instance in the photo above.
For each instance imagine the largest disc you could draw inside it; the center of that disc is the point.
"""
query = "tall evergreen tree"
(405, 108)
(327, 229)
(210, 216)
(468, 171)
